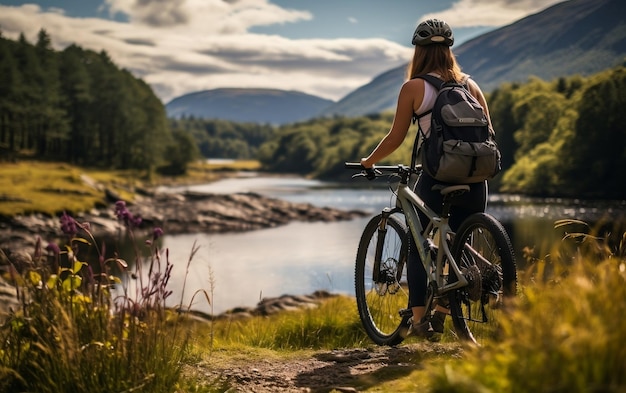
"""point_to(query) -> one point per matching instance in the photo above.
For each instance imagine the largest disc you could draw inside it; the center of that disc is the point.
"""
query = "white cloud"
(470, 13)
(208, 16)
(195, 45)
(182, 46)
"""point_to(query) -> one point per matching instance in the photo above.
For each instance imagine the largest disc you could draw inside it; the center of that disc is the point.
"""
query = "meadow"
(82, 326)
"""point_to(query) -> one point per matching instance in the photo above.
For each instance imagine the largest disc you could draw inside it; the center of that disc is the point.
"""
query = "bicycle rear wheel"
(484, 253)
(380, 284)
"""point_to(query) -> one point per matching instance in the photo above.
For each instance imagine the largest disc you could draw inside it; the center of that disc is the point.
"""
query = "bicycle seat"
(445, 190)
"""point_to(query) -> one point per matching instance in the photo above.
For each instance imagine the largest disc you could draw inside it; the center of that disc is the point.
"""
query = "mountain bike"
(471, 273)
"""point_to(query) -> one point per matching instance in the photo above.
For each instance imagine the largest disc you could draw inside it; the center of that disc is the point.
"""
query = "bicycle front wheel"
(484, 253)
(380, 280)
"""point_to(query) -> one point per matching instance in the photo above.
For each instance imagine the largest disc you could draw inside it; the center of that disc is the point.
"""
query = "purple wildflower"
(157, 233)
(125, 216)
(52, 247)
(68, 225)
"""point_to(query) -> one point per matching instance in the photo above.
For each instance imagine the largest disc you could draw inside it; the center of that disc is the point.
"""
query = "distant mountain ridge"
(267, 106)
(573, 37)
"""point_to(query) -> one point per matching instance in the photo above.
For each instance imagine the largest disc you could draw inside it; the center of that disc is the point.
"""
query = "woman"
(432, 39)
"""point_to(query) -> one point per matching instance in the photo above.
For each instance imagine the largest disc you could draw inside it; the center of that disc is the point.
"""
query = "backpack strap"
(433, 80)
(437, 84)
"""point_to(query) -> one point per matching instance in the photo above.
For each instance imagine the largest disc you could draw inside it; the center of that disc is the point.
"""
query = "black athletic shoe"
(437, 321)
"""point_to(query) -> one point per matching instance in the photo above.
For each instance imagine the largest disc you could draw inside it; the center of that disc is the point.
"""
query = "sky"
(327, 48)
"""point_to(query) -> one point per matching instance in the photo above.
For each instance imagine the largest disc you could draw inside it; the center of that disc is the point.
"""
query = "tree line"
(77, 106)
(217, 138)
(564, 137)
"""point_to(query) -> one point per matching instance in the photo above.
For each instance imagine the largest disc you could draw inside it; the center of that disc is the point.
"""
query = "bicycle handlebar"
(379, 170)
(382, 168)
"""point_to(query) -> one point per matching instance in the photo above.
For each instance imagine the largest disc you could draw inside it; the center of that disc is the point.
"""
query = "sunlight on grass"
(51, 188)
(565, 333)
(334, 324)
(46, 187)
(38, 187)
(79, 328)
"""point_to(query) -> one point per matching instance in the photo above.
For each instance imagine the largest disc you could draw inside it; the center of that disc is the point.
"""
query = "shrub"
(567, 331)
(79, 327)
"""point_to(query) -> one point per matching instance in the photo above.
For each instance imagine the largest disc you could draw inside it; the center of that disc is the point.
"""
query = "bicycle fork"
(380, 242)
(380, 273)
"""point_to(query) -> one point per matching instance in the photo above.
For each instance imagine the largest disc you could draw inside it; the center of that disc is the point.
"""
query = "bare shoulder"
(473, 87)
(413, 85)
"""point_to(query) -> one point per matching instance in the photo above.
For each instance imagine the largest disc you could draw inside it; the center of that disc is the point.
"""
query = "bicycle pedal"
(406, 312)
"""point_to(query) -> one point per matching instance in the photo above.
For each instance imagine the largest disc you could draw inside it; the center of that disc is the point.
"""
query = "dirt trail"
(349, 370)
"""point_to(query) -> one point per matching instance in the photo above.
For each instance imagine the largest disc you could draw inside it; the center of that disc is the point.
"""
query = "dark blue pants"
(474, 201)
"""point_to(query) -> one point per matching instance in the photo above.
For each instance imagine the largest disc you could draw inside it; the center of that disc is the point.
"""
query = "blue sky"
(323, 47)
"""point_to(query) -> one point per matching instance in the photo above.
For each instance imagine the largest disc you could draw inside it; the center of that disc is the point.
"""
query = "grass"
(334, 324)
(565, 334)
(72, 332)
(38, 187)
(50, 188)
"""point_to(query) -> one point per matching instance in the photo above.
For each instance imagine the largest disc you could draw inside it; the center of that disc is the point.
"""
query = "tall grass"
(81, 327)
(333, 324)
(567, 331)
(73, 332)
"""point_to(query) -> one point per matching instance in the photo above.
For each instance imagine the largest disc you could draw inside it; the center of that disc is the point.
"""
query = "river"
(238, 269)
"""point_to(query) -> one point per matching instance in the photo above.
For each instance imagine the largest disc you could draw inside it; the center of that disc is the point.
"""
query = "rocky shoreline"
(174, 213)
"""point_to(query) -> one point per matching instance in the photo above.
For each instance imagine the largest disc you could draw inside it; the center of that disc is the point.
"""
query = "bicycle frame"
(408, 202)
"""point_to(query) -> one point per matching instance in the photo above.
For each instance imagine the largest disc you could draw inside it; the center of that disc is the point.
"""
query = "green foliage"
(320, 147)
(181, 153)
(80, 328)
(569, 136)
(565, 332)
(77, 106)
(222, 138)
(558, 138)
(334, 324)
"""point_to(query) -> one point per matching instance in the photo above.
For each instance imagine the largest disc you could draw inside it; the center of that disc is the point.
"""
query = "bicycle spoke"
(485, 256)
(381, 287)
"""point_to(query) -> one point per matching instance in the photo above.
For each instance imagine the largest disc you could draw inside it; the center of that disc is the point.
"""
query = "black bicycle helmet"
(433, 31)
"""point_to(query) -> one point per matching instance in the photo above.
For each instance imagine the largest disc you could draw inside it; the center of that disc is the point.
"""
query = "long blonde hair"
(435, 58)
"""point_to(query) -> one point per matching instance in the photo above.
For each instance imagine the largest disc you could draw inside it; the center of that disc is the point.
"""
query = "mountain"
(248, 105)
(574, 37)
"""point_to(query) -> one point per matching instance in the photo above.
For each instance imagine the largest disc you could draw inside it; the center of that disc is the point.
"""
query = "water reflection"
(300, 258)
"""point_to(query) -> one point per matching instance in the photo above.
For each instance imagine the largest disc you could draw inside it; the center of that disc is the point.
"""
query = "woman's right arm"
(412, 91)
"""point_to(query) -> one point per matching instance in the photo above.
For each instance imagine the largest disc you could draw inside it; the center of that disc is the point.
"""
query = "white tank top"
(430, 94)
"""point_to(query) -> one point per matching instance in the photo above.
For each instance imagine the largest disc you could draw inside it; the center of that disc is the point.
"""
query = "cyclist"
(432, 40)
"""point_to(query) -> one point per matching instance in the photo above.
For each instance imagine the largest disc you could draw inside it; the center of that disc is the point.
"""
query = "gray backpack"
(460, 147)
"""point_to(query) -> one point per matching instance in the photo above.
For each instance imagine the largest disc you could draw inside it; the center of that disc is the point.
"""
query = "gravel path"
(349, 370)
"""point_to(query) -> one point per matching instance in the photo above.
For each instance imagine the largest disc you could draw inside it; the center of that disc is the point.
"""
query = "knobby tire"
(382, 291)
(484, 253)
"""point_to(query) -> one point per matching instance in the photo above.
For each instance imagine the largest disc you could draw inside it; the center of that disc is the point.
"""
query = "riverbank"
(174, 213)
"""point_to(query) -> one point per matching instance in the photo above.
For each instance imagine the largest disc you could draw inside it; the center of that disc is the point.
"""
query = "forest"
(77, 106)
(564, 137)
